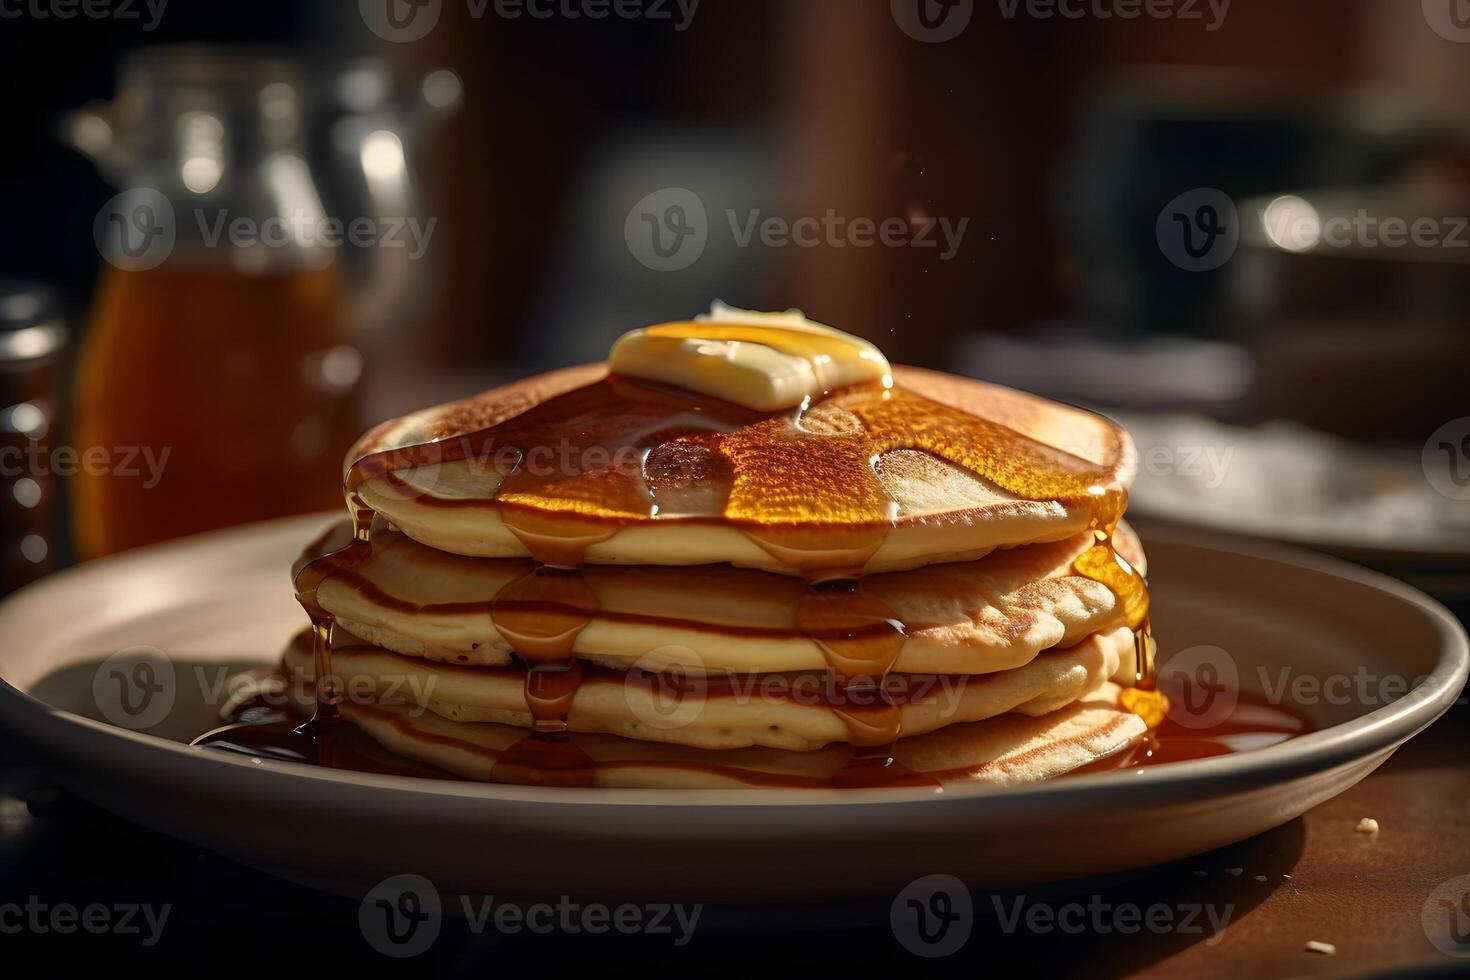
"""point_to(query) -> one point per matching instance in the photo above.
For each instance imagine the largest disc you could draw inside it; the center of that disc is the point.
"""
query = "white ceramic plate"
(224, 599)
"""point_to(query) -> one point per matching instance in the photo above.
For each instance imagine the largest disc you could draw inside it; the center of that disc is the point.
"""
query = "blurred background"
(242, 232)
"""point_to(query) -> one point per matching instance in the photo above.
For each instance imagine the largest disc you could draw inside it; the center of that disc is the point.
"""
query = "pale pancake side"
(786, 711)
(1005, 750)
(976, 617)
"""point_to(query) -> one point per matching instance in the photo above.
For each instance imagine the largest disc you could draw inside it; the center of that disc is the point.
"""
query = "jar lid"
(30, 323)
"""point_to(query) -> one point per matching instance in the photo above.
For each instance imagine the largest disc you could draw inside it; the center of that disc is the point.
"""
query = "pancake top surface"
(580, 453)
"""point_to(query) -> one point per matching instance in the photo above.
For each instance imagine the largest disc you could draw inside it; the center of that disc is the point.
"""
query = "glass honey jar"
(219, 354)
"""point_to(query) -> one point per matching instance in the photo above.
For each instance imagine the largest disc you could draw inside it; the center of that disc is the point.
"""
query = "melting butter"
(764, 361)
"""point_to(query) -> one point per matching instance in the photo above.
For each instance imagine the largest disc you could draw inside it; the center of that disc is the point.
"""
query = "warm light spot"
(341, 367)
(1290, 222)
(382, 156)
(278, 101)
(201, 138)
(92, 134)
(27, 492)
(27, 420)
(201, 174)
(33, 548)
(442, 88)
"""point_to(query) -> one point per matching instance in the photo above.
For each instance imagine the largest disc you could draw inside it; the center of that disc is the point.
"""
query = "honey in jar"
(217, 396)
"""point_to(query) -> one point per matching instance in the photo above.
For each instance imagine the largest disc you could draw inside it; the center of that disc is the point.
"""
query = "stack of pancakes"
(580, 579)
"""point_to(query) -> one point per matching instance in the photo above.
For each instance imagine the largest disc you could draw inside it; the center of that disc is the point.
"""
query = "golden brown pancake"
(792, 711)
(976, 617)
(936, 469)
(1007, 750)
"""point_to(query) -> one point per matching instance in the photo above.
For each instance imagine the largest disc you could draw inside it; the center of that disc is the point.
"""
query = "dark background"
(841, 109)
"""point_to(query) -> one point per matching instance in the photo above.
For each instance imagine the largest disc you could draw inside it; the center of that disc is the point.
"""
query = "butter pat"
(764, 361)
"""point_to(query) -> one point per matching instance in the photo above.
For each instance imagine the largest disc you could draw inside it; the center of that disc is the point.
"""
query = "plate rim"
(1338, 745)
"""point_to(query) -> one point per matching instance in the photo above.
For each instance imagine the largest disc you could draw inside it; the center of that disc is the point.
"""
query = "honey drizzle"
(861, 639)
(323, 739)
(541, 614)
(308, 577)
(789, 476)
